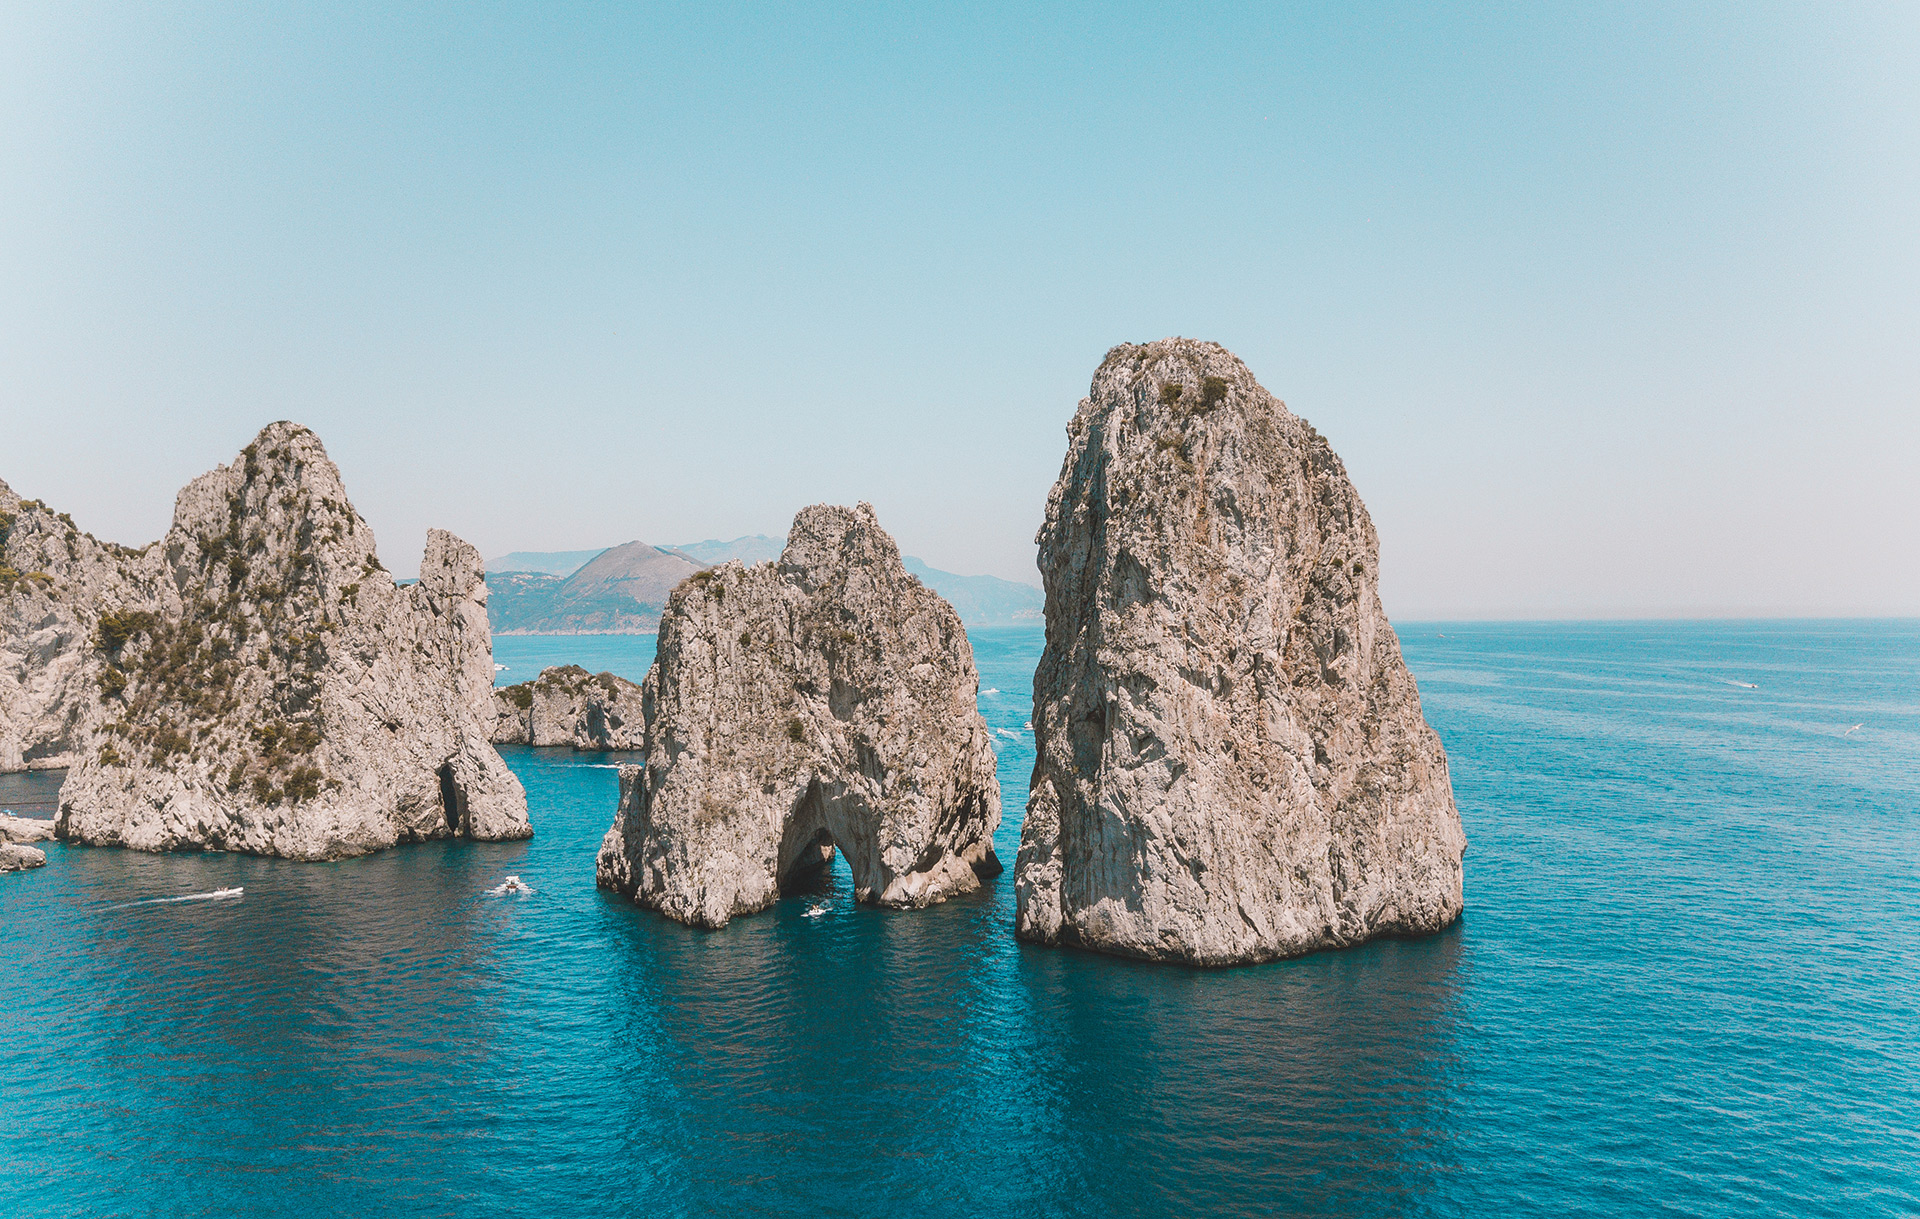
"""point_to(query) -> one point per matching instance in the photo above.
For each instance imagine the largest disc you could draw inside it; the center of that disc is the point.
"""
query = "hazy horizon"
(1609, 313)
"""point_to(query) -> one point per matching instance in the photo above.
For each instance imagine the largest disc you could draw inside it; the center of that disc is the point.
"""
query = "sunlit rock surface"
(827, 699)
(1232, 762)
(566, 705)
(255, 681)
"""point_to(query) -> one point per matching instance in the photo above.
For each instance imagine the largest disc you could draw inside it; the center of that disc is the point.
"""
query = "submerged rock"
(16, 857)
(1232, 764)
(257, 682)
(566, 705)
(826, 700)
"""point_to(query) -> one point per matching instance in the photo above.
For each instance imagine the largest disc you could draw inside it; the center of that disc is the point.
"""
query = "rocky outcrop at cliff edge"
(256, 682)
(24, 830)
(15, 857)
(52, 578)
(567, 705)
(825, 700)
(1232, 762)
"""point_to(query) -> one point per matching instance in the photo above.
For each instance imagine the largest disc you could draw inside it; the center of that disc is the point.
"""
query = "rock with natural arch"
(824, 700)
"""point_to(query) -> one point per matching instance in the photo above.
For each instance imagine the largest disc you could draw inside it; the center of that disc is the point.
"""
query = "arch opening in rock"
(452, 800)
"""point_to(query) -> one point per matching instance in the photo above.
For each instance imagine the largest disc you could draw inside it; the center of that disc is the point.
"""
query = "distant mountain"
(620, 592)
(749, 550)
(546, 562)
(984, 600)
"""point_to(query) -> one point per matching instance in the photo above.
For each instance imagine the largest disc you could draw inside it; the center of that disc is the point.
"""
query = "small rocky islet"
(826, 700)
(566, 705)
(1232, 764)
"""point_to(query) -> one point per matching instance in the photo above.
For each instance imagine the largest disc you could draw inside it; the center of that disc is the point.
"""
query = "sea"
(1687, 982)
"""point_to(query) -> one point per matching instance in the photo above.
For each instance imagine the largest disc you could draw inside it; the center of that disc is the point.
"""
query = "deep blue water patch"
(1686, 983)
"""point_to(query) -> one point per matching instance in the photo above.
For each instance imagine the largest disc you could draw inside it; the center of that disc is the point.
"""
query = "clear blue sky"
(1609, 309)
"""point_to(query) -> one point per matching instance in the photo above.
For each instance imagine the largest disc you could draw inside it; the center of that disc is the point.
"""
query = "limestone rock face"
(24, 829)
(54, 580)
(1232, 762)
(15, 857)
(827, 699)
(255, 681)
(567, 705)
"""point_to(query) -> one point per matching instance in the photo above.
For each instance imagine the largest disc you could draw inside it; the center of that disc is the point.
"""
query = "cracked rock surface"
(18, 857)
(24, 830)
(1232, 764)
(256, 681)
(53, 580)
(566, 705)
(823, 701)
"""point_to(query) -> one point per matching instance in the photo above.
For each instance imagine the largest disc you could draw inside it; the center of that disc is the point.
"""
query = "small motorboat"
(512, 884)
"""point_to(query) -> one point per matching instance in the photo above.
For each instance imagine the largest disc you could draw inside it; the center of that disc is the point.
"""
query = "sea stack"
(824, 700)
(256, 682)
(1232, 762)
(566, 705)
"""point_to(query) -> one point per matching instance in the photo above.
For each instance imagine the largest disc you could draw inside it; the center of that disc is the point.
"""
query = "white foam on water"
(216, 895)
(1744, 685)
(512, 884)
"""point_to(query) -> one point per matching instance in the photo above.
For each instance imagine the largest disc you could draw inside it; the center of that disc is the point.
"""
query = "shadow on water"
(31, 793)
(972, 1074)
(334, 1028)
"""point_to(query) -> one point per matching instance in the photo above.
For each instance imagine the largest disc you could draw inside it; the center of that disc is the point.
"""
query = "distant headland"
(621, 590)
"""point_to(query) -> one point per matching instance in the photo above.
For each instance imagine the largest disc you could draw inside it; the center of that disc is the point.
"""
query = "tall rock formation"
(826, 700)
(1232, 763)
(255, 681)
(566, 705)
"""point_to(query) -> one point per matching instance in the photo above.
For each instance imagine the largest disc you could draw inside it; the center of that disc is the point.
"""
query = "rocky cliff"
(54, 580)
(256, 682)
(826, 700)
(567, 705)
(1232, 761)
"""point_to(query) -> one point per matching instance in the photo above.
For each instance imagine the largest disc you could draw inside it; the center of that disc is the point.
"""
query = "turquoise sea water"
(523, 656)
(1688, 982)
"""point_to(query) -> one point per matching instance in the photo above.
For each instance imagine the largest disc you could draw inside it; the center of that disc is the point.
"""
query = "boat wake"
(1744, 685)
(216, 895)
(512, 884)
(815, 911)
